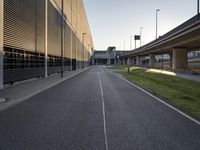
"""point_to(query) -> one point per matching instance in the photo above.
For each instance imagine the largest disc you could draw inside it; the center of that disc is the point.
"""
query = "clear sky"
(113, 21)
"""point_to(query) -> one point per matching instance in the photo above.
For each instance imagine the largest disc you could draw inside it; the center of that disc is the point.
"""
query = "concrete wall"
(179, 58)
(1, 44)
(152, 60)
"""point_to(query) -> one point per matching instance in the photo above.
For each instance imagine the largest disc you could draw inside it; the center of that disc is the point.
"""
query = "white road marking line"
(104, 114)
(170, 106)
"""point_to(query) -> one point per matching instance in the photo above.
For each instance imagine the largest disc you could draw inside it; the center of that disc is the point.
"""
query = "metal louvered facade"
(1, 44)
(22, 38)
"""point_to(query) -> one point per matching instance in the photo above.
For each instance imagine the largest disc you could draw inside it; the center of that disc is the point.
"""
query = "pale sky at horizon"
(113, 21)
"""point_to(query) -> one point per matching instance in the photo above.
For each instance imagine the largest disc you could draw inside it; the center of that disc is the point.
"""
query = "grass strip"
(181, 93)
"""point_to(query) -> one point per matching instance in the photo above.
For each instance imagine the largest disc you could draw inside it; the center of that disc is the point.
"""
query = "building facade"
(108, 57)
(37, 37)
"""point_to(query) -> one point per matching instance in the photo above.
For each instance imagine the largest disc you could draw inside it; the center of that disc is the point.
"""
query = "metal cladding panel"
(67, 41)
(74, 13)
(55, 69)
(40, 26)
(20, 74)
(69, 2)
(54, 31)
(68, 10)
(79, 47)
(1, 43)
(73, 45)
(19, 24)
(58, 3)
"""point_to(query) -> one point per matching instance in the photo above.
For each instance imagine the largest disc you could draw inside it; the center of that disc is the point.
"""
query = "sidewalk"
(20, 92)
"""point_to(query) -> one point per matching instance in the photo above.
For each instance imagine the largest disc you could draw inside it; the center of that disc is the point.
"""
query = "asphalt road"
(95, 110)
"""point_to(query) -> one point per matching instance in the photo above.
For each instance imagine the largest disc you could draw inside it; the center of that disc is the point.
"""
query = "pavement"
(20, 91)
(95, 110)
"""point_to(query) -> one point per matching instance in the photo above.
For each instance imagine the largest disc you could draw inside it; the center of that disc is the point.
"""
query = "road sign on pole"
(136, 37)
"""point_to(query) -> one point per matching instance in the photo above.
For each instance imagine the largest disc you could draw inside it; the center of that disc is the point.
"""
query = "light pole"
(62, 38)
(141, 36)
(124, 45)
(131, 37)
(89, 54)
(46, 39)
(157, 10)
(198, 9)
(83, 37)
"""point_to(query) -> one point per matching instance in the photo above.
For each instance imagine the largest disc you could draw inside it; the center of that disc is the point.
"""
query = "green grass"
(120, 67)
(181, 93)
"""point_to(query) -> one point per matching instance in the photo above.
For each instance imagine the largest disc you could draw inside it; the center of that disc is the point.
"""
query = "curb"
(17, 101)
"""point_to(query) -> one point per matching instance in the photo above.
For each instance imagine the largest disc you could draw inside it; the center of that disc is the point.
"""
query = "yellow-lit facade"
(31, 38)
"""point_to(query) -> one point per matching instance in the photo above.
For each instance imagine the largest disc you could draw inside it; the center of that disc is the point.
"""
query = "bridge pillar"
(1, 43)
(138, 60)
(152, 60)
(179, 59)
(124, 61)
(119, 61)
(129, 61)
(171, 59)
(132, 61)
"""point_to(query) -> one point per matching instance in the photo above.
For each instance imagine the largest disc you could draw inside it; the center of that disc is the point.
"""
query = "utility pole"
(157, 10)
(46, 39)
(131, 37)
(141, 36)
(198, 9)
(83, 38)
(62, 38)
(124, 45)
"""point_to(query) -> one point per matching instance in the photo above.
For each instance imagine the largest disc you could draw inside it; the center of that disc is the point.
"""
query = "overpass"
(176, 43)
(109, 56)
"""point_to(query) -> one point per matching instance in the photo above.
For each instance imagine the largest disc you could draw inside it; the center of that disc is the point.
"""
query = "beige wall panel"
(58, 3)
(67, 12)
(67, 43)
(69, 2)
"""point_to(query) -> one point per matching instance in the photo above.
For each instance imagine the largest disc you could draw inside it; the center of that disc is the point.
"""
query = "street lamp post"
(157, 10)
(141, 36)
(89, 55)
(124, 45)
(131, 37)
(83, 37)
(198, 9)
(46, 39)
(62, 38)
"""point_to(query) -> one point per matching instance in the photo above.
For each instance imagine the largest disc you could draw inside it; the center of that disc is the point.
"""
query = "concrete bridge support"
(119, 61)
(1, 44)
(124, 61)
(130, 61)
(138, 60)
(179, 59)
(171, 59)
(152, 60)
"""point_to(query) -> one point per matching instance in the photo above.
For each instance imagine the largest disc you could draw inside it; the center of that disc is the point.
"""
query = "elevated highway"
(177, 43)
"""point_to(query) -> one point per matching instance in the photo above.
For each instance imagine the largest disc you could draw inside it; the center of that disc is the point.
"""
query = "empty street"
(96, 110)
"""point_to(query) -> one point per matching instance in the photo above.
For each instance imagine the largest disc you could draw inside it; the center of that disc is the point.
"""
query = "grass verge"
(119, 67)
(181, 93)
